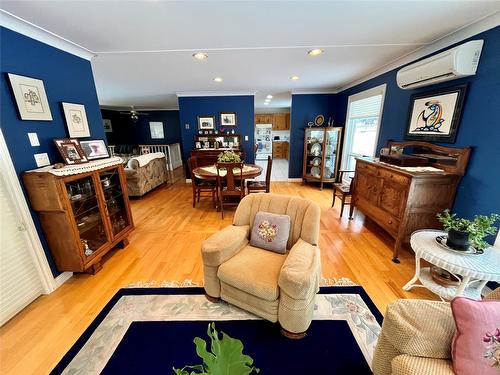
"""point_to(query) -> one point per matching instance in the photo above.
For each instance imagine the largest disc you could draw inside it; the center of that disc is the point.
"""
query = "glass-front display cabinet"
(321, 154)
(83, 214)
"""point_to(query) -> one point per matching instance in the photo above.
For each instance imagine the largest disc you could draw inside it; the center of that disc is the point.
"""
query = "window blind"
(367, 107)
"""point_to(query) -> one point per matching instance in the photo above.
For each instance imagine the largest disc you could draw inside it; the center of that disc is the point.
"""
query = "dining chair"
(262, 186)
(343, 190)
(201, 186)
(231, 186)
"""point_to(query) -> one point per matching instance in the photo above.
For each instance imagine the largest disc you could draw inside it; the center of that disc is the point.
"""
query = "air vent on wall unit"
(461, 61)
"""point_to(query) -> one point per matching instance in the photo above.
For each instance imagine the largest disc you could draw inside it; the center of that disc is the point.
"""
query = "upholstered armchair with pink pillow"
(279, 286)
(417, 337)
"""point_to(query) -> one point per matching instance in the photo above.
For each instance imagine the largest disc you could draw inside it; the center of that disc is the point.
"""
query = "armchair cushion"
(301, 272)
(222, 245)
(254, 271)
(270, 231)
(420, 328)
(406, 364)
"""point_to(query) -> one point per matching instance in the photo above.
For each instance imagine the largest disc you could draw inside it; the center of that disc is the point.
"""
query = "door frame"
(381, 89)
(35, 248)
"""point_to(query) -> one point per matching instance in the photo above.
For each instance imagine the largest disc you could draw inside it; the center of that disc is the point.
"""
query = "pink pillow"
(476, 345)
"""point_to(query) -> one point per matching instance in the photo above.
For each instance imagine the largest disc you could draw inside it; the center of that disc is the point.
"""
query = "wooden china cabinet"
(84, 212)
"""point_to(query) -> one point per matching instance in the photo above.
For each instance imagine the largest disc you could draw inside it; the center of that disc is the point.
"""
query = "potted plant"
(463, 233)
(229, 157)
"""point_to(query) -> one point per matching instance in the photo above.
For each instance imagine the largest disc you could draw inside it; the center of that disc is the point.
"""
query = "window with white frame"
(364, 113)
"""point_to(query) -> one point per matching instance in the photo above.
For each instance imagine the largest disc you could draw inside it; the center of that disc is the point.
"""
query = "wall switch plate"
(246, 137)
(33, 137)
(187, 126)
(42, 159)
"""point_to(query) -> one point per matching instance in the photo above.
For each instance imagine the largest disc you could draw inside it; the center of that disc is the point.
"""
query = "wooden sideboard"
(83, 215)
(402, 200)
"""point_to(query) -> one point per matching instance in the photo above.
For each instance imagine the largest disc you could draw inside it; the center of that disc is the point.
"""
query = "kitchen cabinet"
(84, 214)
(279, 121)
(280, 150)
(264, 118)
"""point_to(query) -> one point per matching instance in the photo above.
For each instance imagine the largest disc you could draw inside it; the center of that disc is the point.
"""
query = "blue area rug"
(151, 330)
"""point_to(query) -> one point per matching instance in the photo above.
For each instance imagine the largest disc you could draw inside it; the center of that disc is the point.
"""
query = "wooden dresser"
(402, 200)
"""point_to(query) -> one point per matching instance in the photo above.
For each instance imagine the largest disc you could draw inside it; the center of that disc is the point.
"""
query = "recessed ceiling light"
(315, 52)
(294, 78)
(218, 79)
(269, 97)
(267, 100)
(266, 103)
(200, 55)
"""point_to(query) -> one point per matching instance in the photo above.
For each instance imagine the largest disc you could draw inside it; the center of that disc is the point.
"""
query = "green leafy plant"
(477, 229)
(225, 357)
(229, 157)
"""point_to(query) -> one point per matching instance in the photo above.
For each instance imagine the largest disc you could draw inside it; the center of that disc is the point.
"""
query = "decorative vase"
(458, 240)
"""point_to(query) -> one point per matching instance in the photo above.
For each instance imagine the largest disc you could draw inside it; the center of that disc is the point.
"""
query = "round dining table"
(209, 172)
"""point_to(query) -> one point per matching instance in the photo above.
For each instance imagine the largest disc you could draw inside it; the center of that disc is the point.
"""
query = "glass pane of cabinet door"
(113, 196)
(87, 214)
(314, 152)
(331, 153)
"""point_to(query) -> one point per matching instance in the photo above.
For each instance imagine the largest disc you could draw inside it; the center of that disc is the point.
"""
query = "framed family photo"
(30, 98)
(95, 149)
(206, 122)
(227, 119)
(76, 120)
(435, 116)
(71, 151)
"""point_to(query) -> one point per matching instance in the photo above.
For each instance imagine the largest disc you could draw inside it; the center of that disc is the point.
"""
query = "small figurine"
(86, 249)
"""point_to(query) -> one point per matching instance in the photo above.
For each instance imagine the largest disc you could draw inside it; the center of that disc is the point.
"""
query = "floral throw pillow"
(476, 345)
(270, 231)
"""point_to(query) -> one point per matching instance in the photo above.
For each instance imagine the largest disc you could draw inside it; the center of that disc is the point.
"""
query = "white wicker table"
(475, 269)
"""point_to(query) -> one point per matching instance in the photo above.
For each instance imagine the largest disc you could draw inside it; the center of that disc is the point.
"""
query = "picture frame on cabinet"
(228, 119)
(31, 99)
(76, 120)
(206, 122)
(434, 116)
(95, 149)
(71, 150)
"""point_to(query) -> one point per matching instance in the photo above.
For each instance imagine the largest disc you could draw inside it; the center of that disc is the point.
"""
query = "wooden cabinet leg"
(395, 253)
(124, 243)
(93, 269)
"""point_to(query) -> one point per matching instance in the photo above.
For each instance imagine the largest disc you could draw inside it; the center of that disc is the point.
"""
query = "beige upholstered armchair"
(276, 287)
(416, 338)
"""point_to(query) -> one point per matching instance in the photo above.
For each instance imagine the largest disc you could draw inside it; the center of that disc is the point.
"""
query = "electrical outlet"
(42, 159)
(246, 137)
(187, 126)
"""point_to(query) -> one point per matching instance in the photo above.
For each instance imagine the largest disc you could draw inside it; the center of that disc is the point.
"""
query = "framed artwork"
(71, 151)
(108, 128)
(95, 149)
(156, 129)
(227, 119)
(30, 97)
(206, 122)
(76, 120)
(434, 116)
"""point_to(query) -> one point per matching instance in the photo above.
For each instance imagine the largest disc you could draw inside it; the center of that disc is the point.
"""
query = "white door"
(20, 281)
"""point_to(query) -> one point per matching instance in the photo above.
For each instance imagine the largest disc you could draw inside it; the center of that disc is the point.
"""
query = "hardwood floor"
(166, 246)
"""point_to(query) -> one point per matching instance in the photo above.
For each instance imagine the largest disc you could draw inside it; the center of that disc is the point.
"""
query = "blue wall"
(66, 78)
(305, 107)
(127, 132)
(192, 107)
(479, 190)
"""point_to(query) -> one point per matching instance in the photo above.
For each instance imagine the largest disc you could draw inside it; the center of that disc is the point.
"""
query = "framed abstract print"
(30, 98)
(76, 120)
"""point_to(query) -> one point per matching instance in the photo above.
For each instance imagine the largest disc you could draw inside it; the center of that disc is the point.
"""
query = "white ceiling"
(144, 48)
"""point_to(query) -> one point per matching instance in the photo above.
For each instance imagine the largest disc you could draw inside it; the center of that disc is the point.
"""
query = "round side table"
(475, 269)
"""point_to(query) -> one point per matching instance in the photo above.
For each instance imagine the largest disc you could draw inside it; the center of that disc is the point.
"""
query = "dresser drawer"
(380, 216)
(391, 176)
(366, 168)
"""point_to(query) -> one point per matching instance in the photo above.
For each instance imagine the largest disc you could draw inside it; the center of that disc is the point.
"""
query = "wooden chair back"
(268, 173)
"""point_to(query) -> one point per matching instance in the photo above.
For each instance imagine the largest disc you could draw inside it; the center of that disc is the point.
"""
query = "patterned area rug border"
(188, 283)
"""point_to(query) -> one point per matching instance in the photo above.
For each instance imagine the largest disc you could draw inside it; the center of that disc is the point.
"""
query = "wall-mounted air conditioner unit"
(454, 63)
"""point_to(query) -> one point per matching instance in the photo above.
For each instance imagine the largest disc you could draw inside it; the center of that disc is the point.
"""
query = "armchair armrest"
(131, 173)
(420, 328)
(222, 245)
(301, 271)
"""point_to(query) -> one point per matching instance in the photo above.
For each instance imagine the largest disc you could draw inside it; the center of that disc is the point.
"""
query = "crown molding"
(476, 27)
(141, 109)
(318, 91)
(19, 25)
(215, 93)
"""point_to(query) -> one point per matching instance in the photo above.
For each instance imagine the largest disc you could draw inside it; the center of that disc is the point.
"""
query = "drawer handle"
(390, 221)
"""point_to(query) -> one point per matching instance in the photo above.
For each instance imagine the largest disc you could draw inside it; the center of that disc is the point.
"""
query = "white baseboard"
(188, 180)
(62, 278)
(294, 180)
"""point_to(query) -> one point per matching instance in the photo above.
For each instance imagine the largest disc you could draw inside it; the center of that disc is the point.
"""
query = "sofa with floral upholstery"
(146, 172)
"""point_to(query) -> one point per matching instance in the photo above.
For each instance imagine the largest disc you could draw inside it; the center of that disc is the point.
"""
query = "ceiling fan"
(134, 115)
